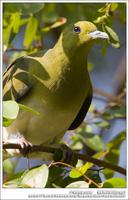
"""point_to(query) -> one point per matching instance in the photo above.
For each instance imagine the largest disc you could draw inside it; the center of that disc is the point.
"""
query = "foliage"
(41, 18)
(11, 110)
(114, 183)
(10, 113)
(36, 22)
(80, 171)
(107, 12)
(113, 152)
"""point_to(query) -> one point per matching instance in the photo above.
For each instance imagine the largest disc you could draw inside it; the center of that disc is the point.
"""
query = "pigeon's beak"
(98, 34)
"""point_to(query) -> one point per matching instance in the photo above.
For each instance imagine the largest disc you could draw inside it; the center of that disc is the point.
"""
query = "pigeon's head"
(80, 34)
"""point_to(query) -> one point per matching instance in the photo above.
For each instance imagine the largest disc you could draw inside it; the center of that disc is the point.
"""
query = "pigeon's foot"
(24, 149)
(66, 155)
(25, 146)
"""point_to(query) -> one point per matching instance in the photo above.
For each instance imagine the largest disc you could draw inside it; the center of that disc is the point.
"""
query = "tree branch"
(38, 46)
(41, 148)
(111, 97)
(16, 49)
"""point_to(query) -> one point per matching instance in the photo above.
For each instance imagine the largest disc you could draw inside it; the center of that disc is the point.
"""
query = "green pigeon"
(55, 83)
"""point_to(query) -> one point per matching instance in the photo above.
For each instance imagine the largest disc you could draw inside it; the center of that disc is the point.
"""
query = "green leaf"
(8, 166)
(119, 111)
(27, 108)
(116, 141)
(103, 9)
(16, 17)
(11, 38)
(80, 171)
(114, 39)
(30, 31)
(92, 140)
(77, 172)
(113, 7)
(103, 124)
(57, 177)
(24, 8)
(10, 109)
(12, 183)
(24, 21)
(7, 122)
(11, 28)
(115, 183)
(95, 176)
(76, 145)
(10, 112)
(35, 178)
(113, 147)
(101, 20)
(6, 34)
(115, 112)
(78, 184)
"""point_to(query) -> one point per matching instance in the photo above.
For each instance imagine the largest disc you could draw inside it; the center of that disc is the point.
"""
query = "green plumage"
(56, 83)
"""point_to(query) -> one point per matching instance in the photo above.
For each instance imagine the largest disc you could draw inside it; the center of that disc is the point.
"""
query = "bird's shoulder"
(16, 78)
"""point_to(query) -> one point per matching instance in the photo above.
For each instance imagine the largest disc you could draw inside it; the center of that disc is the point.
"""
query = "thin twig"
(38, 46)
(70, 166)
(109, 96)
(41, 148)
(101, 98)
(15, 49)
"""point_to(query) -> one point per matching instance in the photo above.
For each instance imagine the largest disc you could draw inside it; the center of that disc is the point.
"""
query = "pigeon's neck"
(71, 53)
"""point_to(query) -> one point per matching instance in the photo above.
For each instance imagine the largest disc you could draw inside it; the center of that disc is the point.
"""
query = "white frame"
(61, 193)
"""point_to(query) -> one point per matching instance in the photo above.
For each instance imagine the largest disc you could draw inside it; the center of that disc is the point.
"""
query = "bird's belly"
(57, 112)
(45, 128)
(49, 126)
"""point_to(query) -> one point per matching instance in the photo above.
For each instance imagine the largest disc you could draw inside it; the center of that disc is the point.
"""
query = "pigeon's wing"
(82, 112)
(17, 79)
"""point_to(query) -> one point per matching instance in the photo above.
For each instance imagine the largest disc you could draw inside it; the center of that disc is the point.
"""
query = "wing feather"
(82, 112)
(16, 80)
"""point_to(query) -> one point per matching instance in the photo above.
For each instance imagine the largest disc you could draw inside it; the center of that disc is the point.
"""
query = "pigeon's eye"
(77, 29)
